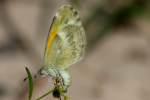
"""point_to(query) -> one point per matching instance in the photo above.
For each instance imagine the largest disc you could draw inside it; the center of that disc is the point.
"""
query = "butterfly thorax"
(61, 77)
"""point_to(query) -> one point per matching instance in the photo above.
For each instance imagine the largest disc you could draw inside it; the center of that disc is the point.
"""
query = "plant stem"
(39, 98)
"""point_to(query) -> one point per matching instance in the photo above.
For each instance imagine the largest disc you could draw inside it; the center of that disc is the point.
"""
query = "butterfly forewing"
(66, 41)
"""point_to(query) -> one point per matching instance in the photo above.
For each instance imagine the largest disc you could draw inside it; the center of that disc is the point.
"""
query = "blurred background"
(117, 61)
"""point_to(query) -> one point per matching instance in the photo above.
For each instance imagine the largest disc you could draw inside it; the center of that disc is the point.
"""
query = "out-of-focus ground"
(117, 61)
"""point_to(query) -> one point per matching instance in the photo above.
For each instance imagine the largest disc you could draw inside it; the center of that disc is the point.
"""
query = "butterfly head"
(45, 71)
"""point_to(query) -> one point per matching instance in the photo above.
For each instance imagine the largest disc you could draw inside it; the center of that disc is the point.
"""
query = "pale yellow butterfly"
(65, 46)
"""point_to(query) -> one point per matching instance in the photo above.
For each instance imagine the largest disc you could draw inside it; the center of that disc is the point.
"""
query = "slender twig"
(39, 98)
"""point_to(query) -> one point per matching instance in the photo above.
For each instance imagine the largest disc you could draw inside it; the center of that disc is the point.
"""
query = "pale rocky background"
(116, 65)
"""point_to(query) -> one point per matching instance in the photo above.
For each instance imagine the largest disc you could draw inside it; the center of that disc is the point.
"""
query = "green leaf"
(30, 83)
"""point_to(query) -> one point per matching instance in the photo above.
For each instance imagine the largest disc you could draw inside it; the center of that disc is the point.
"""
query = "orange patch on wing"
(51, 38)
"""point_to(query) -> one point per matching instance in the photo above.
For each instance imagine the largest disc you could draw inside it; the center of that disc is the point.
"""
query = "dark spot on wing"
(71, 8)
(75, 13)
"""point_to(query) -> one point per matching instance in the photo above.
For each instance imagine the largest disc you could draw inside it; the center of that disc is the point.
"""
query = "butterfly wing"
(66, 40)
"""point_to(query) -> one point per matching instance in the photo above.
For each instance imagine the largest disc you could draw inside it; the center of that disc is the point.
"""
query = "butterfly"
(65, 46)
